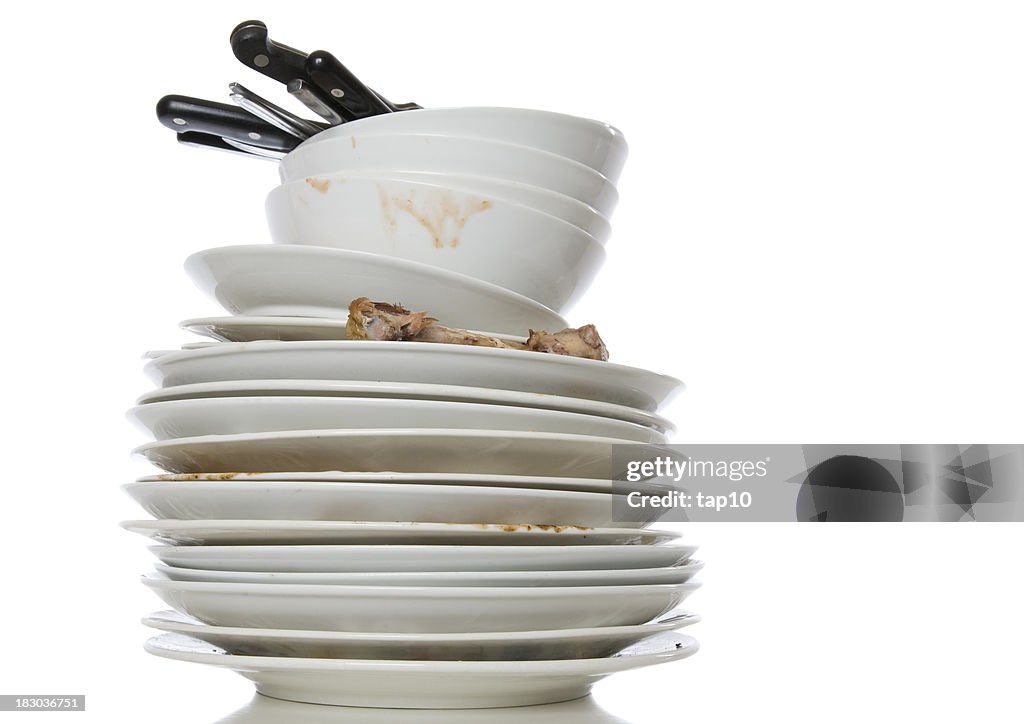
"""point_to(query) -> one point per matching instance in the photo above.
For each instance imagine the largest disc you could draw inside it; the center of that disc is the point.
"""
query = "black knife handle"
(254, 48)
(405, 106)
(398, 106)
(182, 113)
(346, 92)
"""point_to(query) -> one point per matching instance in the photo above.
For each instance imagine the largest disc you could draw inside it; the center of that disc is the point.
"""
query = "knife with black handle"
(254, 48)
(252, 45)
(347, 94)
(182, 114)
(206, 140)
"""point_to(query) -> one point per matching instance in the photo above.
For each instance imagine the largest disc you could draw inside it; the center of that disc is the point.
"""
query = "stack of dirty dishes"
(353, 518)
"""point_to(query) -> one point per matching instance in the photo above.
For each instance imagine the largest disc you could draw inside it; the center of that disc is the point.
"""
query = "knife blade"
(308, 96)
(273, 114)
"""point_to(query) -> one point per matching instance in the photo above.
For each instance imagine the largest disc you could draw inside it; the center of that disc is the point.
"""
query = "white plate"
(265, 710)
(372, 502)
(332, 532)
(403, 390)
(238, 415)
(261, 328)
(447, 364)
(416, 558)
(285, 329)
(425, 684)
(416, 609)
(584, 485)
(575, 643)
(621, 577)
(307, 281)
(402, 451)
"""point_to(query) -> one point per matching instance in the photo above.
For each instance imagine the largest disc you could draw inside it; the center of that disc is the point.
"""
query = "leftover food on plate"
(391, 322)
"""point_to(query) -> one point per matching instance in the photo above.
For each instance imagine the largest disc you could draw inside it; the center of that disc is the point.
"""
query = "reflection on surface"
(264, 710)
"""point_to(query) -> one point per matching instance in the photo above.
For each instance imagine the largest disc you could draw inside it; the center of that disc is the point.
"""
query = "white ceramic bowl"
(564, 207)
(449, 154)
(534, 254)
(310, 281)
(595, 144)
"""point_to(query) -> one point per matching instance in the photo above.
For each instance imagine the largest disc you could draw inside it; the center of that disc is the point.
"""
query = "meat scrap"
(390, 322)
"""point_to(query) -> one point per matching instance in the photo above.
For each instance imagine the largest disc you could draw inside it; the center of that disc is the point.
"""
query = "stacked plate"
(399, 524)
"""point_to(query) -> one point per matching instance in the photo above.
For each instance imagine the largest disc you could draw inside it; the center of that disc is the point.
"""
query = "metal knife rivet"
(254, 136)
(180, 122)
(261, 61)
(337, 92)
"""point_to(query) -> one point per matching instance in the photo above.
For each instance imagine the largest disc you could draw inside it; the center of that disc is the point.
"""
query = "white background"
(820, 231)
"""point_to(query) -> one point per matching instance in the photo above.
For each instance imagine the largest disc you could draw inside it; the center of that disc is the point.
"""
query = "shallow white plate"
(585, 485)
(416, 558)
(403, 390)
(416, 609)
(237, 415)
(266, 710)
(282, 500)
(425, 684)
(260, 328)
(286, 329)
(680, 573)
(331, 532)
(575, 643)
(404, 451)
(308, 281)
(447, 364)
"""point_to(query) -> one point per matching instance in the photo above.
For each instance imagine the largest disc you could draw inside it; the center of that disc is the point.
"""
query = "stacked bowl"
(518, 198)
(402, 523)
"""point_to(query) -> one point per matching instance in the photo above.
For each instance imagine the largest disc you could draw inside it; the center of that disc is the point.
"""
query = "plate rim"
(660, 422)
(658, 625)
(569, 362)
(685, 646)
(158, 581)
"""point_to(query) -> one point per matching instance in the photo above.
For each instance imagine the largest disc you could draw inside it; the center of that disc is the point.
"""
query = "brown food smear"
(441, 212)
(202, 476)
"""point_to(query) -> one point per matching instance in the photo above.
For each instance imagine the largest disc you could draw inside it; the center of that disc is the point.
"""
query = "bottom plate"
(425, 684)
(577, 643)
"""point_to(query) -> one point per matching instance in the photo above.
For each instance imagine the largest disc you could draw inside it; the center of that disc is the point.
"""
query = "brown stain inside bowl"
(191, 477)
(516, 527)
(441, 212)
(320, 184)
